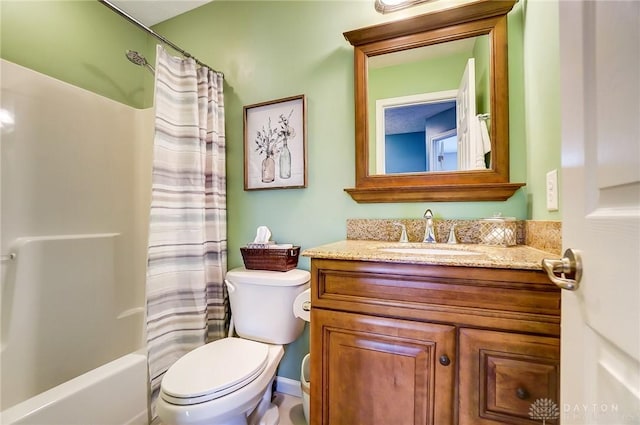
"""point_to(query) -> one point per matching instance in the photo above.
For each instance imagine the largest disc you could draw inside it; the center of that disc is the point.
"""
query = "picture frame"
(275, 144)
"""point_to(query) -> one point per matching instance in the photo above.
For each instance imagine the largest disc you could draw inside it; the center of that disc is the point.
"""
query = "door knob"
(569, 267)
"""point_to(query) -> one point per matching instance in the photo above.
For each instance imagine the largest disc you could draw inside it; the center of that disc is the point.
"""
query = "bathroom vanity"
(403, 335)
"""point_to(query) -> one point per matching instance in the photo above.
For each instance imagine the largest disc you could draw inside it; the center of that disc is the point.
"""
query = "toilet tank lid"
(293, 277)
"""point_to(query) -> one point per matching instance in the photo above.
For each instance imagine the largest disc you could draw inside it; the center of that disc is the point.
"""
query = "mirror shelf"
(438, 192)
(473, 19)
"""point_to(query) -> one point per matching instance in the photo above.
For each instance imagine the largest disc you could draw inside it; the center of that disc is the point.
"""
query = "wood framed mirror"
(481, 174)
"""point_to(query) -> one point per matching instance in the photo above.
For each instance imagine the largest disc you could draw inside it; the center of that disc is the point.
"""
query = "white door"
(465, 116)
(600, 90)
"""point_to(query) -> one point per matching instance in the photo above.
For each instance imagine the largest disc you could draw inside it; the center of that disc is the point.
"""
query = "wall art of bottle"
(285, 161)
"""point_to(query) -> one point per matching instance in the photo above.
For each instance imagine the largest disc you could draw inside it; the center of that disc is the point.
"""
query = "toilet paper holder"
(302, 305)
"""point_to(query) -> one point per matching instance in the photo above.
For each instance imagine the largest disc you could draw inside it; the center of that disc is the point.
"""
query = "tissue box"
(274, 259)
(499, 231)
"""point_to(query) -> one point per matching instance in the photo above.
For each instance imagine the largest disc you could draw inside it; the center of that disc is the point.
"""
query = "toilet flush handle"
(230, 286)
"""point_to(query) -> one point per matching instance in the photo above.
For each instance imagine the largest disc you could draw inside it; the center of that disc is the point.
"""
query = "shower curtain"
(187, 256)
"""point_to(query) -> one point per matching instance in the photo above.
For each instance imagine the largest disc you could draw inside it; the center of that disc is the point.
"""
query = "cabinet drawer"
(354, 286)
(508, 378)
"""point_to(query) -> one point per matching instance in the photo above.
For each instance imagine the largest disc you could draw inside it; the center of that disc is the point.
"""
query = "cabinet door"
(371, 370)
(508, 378)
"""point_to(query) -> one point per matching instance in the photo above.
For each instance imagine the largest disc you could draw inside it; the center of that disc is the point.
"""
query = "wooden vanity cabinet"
(410, 344)
(384, 370)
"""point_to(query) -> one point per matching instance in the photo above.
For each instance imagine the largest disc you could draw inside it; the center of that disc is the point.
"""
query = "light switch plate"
(552, 190)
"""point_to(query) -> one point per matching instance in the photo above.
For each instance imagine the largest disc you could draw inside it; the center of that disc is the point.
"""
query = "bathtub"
(72, 334)
(115, 393)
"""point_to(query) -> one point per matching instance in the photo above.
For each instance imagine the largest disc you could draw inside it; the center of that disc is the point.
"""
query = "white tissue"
(263, 234)
(302, 305)
(281, 246)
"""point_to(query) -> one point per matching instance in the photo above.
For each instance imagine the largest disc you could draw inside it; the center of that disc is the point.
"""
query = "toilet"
(229, 381)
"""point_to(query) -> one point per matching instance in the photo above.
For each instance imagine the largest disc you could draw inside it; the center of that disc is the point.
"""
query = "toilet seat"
(213, 370)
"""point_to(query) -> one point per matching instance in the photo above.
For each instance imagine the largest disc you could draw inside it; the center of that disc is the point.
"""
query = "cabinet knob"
(522, 394)
(444, 360)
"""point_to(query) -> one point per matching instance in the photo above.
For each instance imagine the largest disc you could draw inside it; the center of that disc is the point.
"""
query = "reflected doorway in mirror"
(405, 126)
(443, 151)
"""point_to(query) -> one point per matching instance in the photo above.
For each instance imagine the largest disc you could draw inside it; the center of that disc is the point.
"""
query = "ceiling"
(412, 118)
(151, 12)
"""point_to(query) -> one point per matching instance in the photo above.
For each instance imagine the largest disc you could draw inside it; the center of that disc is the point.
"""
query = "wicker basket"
(279, 260)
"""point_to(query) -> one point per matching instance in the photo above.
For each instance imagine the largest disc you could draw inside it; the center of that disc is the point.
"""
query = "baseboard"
(288, 386)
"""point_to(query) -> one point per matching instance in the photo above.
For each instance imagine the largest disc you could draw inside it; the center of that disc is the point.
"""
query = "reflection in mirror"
(443, 151)
(404, 127)
(418, 95)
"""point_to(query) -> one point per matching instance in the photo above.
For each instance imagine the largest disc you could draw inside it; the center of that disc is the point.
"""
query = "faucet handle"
(452, 235)
(403, 235)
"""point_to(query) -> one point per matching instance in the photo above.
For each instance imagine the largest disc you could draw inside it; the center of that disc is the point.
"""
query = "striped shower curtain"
(187, 256)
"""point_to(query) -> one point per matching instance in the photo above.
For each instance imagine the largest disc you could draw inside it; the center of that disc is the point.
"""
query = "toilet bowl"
(181, 403)
(229, 381)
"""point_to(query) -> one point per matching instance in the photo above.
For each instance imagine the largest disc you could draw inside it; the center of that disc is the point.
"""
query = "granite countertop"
(520, 257)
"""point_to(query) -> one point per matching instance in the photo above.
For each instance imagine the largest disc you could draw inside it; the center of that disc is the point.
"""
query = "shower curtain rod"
(134, 21)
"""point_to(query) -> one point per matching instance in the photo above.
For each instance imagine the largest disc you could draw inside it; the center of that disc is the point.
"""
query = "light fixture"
(386, 6)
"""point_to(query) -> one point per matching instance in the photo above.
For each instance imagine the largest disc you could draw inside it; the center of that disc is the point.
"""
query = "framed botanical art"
(275, 145)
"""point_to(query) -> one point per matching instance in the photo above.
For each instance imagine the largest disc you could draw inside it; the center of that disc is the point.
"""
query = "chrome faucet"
(429, 234)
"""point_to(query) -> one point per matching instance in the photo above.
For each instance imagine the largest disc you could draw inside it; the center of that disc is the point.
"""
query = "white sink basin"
(427, 251)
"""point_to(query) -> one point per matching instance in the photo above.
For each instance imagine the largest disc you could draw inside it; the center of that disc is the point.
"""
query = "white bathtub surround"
(75, 211)
(62, 317)
(187, 257)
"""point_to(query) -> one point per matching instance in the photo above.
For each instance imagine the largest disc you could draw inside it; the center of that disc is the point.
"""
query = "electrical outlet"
(552, 190)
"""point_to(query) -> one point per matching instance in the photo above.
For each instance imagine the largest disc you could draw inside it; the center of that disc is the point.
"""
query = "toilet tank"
(262, 303)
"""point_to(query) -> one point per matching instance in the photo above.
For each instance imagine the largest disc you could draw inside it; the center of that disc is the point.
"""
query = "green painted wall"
(481, 52)
(79, 42)
(415, 77)
(542, 106)
(269, 50)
